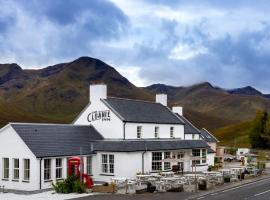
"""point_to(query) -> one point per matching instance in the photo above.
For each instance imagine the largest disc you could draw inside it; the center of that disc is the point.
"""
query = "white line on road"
(261, 193)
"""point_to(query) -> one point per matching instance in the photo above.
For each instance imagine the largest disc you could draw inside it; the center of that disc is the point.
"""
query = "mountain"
(214, 107)
(57, 93)
(246, 91)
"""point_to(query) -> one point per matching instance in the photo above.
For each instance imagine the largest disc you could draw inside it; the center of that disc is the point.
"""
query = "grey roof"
(149, 145)
(207, 136)
(189, 128)
(142, 111)
(209, 150)
(47, 140)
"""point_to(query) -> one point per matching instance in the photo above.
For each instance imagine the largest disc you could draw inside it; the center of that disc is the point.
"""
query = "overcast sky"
(149, 41)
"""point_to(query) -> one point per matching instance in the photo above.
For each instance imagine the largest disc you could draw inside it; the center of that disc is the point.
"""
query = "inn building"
(116, 137)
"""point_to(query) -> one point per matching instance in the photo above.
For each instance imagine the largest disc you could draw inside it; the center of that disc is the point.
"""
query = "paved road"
(259, 190)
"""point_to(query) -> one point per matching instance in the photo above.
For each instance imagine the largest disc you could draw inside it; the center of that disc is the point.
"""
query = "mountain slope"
(58, 93)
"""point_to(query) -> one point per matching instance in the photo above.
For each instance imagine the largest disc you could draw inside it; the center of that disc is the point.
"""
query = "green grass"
(234, 135)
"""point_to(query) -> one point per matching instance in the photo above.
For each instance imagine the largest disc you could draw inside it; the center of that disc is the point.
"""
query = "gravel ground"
(147, 196)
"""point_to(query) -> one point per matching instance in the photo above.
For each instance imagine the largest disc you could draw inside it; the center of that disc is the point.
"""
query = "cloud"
(42, 32)
(174, 42)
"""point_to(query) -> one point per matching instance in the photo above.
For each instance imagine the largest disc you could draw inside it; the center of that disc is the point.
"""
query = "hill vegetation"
(58, 93)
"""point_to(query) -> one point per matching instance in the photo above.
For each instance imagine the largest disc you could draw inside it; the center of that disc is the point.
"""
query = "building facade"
(115, 138)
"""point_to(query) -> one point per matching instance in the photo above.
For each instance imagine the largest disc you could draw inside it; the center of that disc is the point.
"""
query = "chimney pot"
(161, 98)
(178, 110)
(97, 92)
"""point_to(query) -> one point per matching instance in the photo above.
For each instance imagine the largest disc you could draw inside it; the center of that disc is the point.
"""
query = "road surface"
(259, 190)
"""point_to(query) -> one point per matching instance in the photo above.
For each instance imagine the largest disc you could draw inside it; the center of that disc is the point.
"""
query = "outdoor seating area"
(188, 182)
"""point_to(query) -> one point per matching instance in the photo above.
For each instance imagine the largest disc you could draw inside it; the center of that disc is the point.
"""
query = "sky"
(176, 42)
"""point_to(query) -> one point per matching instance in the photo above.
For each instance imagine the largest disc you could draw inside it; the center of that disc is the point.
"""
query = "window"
(26, 169)
(139, 131)
(193, 136)
(196, 153)
(59, 168)
(171, 132)
(89, 165)
(5, 168)
(156, 131)
(107, 163)
(156, 161)
(16, 169)
(167, 165)
(204, 156)
(47, 169)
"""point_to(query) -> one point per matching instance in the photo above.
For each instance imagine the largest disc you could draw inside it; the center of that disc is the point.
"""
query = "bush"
(69, 185)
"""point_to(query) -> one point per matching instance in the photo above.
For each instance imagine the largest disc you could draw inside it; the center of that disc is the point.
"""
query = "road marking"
(261, 193)
(247, 184)
(201, 198)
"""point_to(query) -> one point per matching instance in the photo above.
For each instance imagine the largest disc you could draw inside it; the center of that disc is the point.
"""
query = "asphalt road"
(259, 190)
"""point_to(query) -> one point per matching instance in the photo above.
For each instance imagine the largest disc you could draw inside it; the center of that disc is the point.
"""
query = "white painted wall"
(113, 129)
(190, 137)
(211, 159)
(12, 146)
(148, 130)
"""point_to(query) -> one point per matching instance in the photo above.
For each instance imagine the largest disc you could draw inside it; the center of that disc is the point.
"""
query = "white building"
(116, 138)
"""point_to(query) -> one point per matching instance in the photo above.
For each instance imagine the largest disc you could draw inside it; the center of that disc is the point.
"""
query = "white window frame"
(156, 161)
(167, 165)
(107, 164)
(47, 170)
(26, 169)
(171, 132)
(203, 155)
(156, 132)
(59, 168)
(5, 176)
(89, 165)
(16, 169)
(139, 132)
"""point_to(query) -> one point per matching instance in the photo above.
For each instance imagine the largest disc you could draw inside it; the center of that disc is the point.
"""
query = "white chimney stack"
(161, 98)
(97, 92)
(178, 110)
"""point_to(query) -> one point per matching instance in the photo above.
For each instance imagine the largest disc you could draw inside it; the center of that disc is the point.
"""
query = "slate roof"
(47, 140)
(207, 136)
(189, 128)
(142, 111)
(149, 145)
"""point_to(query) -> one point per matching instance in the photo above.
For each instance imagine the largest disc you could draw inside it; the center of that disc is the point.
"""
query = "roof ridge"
(191, 123)
(43, 124)
(146, 101)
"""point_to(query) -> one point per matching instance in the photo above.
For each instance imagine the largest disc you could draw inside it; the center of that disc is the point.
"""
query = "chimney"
(178, 110)
(97, 92)
(161, 98)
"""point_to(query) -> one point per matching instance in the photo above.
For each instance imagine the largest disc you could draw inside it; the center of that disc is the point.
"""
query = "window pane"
(16, 172)
(6, 168)
(26, 169)
(89, 165)
(47, 169)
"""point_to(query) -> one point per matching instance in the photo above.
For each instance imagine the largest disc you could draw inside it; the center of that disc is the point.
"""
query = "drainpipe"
(124, 131)
(145, 147)
(40, 178)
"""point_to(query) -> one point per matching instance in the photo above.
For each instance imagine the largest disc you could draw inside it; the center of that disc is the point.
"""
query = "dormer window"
(156, 131)
(139, 132)
(172, 132)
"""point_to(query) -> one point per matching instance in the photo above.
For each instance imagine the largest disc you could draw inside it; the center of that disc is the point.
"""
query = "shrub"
(69, 185)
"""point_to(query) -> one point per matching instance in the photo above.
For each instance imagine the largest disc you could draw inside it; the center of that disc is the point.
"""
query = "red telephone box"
(74, 164)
